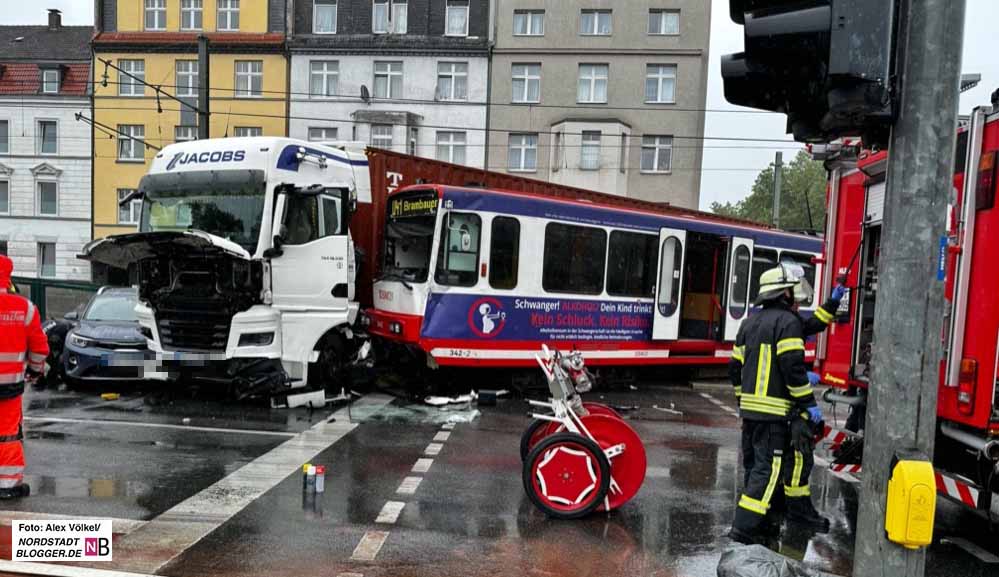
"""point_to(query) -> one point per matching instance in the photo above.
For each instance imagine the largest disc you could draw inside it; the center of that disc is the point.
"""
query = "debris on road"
(671, 410)
(110, 396)
(758, 561)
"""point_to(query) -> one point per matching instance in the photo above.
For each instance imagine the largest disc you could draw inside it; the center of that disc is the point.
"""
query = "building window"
(504, 253)
(48, 137)
(4, 197)
(191, 14)
(129, 212)
(155, 14)
(323, 78)
(187, 77)
(631, 265)
(243, 131)
(131, 77)
(589, 155)
(228, 15)
(324, 17)
(185, 133)
(660, 83)
(249, 78)
(389, 17)
(451, 147)
(457, 18)
(48, 198)
(50, 80)
(46, 259)
(657, 153)
(574, 259)
(664, 22)
(528, 22)
(523, 153)
(452, 81)
(131, 147)
(595, 22)
(4, 137)
(526, 86)
(388, 79)
(322, 134)
(592, 83)
(381, 136)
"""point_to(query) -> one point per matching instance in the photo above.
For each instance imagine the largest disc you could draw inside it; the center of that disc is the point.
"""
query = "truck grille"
(202, 326)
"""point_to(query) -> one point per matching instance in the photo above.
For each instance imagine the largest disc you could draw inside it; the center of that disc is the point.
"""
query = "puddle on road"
(412, 413)
(76, 487)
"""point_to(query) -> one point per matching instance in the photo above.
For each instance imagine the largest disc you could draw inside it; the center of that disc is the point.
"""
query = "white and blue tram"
(476, 277)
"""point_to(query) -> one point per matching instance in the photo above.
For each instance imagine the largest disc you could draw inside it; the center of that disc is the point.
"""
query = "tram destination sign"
(411, 206)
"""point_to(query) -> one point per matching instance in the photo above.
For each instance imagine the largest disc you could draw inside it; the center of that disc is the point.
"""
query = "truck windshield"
(409, 236)
(229, 207)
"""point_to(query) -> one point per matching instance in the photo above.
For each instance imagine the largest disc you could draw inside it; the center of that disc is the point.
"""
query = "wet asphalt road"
(132, 459)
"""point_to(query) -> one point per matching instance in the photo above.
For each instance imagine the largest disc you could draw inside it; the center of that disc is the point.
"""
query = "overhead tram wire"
(107, 129)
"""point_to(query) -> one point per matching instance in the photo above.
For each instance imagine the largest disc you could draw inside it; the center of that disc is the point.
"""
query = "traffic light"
(827, 64)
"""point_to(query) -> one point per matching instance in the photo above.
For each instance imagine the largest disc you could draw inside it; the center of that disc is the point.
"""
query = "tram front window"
(409, 236)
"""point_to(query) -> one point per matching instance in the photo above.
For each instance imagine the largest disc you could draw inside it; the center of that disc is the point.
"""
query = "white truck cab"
(244, 260)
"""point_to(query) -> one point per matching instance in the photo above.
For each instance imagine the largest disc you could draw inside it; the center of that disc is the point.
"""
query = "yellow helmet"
(786, 276)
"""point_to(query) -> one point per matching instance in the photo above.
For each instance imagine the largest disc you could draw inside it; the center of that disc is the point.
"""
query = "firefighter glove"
(813, 378)
(801, 436)
(837, 293)
(815, 413)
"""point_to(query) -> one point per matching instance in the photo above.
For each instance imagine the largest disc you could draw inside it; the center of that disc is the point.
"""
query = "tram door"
(669, 285)
(738, 305)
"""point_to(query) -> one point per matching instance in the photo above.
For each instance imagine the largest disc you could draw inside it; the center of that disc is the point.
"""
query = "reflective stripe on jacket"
(768, 365)
(22, 343)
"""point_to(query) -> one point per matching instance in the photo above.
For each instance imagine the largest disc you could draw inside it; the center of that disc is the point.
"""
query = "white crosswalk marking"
(369, 546)
(409, 485)
(433, 449)
(390, 512)
(442, 436)
(422, 465)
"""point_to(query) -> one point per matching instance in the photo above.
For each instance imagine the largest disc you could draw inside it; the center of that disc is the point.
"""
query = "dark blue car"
(106, 344)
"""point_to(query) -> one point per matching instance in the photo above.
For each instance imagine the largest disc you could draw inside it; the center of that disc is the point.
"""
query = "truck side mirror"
(278, 229)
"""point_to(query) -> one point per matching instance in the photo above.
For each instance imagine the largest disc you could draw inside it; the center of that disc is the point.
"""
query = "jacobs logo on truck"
(206, 157)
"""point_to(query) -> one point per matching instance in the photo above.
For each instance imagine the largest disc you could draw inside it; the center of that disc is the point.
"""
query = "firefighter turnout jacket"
(22, 343)
(819, 321)
(768, 365)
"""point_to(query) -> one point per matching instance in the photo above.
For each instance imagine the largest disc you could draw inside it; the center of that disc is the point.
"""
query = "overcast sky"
(719, 181)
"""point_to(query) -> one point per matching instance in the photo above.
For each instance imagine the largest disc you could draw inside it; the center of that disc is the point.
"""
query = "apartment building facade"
(602, 94)
(406, 75)
(145, 52)
(45, 152)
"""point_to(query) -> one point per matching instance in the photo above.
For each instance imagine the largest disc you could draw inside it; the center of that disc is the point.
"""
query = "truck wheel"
(567, 476)
(330, 370)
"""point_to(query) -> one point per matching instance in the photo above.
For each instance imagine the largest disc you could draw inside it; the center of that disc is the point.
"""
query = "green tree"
(803, 179)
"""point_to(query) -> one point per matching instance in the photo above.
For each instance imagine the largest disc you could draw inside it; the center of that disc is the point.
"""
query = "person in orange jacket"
(23, 349)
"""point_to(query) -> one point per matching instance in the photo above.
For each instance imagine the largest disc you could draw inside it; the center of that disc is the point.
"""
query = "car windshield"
(223, 205)
(116, 306)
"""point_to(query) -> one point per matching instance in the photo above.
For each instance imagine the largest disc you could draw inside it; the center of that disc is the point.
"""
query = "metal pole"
(203, 88)
(902, 399)
(778, 169)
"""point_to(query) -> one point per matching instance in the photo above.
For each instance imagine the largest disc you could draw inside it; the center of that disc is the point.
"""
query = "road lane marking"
(422, 465)
(442, 436)
(390, 512)
(369, 546)
(50, 570)
(409, 485)
(162, 539)
(433, 449)
(449, 425)
(350, 575)
(114, 422)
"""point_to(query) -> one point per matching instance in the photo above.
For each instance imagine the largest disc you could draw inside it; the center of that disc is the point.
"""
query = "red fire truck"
(967, 449)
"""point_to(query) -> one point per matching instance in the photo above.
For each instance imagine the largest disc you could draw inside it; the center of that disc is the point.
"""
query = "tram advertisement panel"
(518, 318)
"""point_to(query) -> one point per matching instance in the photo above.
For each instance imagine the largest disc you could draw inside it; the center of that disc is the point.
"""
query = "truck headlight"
(256, 339)
(78, 341)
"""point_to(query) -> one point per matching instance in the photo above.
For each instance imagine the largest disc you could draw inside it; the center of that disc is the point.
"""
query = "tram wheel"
(566, 476)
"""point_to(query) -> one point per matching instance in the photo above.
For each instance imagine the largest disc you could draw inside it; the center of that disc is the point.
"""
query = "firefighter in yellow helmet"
(774, 389)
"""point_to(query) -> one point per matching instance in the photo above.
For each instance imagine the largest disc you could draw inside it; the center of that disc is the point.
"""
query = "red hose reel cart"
(580, 457)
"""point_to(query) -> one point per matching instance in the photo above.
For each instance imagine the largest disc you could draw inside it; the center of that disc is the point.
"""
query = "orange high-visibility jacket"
(22, 343)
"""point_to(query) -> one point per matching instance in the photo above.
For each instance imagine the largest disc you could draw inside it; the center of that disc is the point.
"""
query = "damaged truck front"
(244, 263)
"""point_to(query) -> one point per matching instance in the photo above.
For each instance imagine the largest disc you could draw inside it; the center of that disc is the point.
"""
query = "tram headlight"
(395, 328)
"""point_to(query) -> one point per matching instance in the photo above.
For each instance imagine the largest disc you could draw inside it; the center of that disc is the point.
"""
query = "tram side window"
(458, 257)
(740, 277)
(504, 253)
(574, 259)
(805, 262)
(631, 264)
(669, 281)
(763, 260)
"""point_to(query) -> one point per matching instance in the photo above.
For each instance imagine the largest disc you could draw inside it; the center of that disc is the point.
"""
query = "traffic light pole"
(902, 399)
